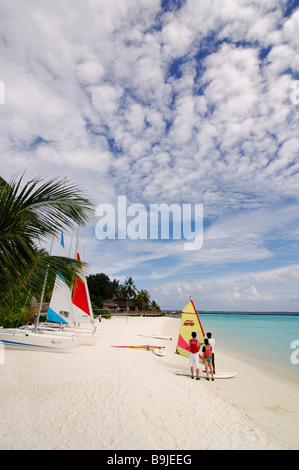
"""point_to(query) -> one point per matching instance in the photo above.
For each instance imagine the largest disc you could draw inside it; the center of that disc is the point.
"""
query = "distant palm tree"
(155, 306)
(30, 213)
(143, 299)
(130, 288)
(129, 292)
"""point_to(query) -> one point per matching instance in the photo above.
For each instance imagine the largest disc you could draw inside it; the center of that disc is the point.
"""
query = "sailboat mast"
(45, 280)
(43, 290)
(72, 239)
(77, 242)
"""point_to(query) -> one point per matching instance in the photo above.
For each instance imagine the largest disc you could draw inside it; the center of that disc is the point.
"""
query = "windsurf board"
(157, 336)
(219, 375)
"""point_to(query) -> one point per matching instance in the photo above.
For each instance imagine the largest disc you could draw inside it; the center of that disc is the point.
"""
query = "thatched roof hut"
(115, 305)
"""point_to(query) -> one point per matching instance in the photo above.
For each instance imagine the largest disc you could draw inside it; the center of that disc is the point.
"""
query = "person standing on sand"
(212, 343)
(207, 357)
(193, 357)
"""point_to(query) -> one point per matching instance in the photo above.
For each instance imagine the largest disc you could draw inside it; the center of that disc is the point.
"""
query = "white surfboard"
(219, 375)
(159, 351)
(157, 336)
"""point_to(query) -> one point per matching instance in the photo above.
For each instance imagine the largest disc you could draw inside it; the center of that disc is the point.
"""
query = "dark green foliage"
(28, 213)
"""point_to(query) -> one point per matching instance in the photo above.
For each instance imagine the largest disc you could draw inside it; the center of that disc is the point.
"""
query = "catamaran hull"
(87, 336)
(35, 341)
(83, 337)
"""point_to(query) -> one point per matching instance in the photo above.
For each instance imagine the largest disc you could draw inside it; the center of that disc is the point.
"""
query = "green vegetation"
(101, 288)
(39, 210)
(104, 313)
(31, 212)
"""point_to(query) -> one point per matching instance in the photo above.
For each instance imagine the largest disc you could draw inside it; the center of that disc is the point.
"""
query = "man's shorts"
(194, 360)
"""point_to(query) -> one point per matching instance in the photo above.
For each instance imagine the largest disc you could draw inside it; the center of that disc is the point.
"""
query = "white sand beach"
(100, 397)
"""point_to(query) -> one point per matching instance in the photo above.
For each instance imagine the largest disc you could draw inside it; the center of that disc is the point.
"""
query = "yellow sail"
(189, 322)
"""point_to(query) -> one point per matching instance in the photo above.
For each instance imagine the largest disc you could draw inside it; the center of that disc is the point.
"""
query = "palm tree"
(155, 306)
(29, 213)
(130, 291)
(130, 288)
(143, 298)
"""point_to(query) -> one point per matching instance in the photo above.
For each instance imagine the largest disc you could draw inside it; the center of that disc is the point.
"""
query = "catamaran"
(58, 334)
(16, 338)
(37, 338)
(68, 310)
(82, 309)
(190, 322)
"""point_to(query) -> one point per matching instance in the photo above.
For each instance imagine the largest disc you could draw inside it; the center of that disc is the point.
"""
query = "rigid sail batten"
(82, 308)
(189, 322)
(60, 307)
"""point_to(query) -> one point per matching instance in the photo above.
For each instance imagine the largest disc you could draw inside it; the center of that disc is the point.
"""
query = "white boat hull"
(159, 351)
(21, 339)
(85, 336)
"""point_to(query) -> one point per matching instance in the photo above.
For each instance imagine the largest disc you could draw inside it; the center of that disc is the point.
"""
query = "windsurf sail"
(189, 322)
(82, 308)
(60, 307)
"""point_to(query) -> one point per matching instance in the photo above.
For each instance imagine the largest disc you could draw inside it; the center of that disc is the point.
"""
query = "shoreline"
(100, 397)
(263, 367)
(269, 400)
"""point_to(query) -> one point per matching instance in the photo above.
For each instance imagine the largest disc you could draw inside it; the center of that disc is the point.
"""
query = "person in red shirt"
(193, 357)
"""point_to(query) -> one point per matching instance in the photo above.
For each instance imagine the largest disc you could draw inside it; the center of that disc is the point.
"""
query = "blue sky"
(172, 102)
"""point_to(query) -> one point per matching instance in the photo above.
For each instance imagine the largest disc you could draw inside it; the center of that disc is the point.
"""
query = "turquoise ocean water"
(264, 340)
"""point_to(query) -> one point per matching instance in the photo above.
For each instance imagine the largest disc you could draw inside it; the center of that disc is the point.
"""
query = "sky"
(191, 103)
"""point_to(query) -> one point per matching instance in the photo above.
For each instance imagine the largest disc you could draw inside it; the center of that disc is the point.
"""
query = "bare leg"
(192, 372)
(207, 370)
(211, 369)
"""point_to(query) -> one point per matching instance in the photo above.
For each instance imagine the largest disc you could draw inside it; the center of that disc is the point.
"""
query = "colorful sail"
(82, 308)
(142, 346)
(60, 308)
(189, 322)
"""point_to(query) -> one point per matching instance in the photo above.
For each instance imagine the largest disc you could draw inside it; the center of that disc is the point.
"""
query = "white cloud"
(191, 105)
(290, 27)
(90, 71)
(176, 37)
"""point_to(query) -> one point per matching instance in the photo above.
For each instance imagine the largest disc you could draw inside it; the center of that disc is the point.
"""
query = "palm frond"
(31, 211)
